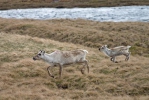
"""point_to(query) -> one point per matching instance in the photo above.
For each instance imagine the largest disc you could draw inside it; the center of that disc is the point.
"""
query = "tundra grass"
(8, 4)
(25, 79)
(88, 33)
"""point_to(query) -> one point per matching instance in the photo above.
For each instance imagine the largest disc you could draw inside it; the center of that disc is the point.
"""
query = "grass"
(88, 33)
(25, 79)
(8, 4)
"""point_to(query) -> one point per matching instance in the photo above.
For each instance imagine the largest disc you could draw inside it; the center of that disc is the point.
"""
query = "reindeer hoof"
(52, 76)
(111, 59)
(116, 61)
(82, 71)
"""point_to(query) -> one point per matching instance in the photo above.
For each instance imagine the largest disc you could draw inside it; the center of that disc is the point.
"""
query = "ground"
(25, 79)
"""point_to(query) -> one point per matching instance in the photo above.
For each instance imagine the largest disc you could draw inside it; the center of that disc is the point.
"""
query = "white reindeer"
(117, 51)
(62, 58)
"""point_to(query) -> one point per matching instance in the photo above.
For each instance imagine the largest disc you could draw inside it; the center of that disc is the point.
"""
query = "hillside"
(8, 4)
(88, 33)
(25, 79)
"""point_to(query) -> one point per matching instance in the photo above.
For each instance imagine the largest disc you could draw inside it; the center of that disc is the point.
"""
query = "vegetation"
(88, 33)
(25, 79)
(8, 4)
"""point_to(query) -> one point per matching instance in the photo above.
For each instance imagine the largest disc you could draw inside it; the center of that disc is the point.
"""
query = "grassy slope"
(87, 33)
(8, 4)
(25, 79)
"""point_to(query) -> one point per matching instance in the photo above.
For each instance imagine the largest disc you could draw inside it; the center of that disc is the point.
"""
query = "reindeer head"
(39, 55)
(103, 47)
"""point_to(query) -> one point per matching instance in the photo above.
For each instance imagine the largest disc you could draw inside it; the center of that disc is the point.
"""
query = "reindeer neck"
(47, 58)
(107, 51)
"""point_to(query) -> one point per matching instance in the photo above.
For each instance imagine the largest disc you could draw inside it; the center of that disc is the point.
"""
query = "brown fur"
(75, 53)
(66, 54)
(119, 49)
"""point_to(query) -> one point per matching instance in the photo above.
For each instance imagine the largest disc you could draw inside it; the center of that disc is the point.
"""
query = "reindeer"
(62, 58)
(116, 51)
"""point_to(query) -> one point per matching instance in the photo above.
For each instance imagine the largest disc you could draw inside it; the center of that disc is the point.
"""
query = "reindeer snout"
(34, 58)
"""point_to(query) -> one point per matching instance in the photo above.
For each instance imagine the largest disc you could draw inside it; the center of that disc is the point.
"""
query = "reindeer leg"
(86, 64)
(114, 58)
(82, 70)
(50, 72)
(127, 57)
(60, 70)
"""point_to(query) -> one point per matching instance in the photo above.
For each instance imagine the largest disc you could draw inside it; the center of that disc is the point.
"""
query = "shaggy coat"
(62, 58)
(117, 51)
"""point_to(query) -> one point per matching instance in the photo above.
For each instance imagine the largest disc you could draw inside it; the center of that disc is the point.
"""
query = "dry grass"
(87, 33)
(8, 4)
(25, 79)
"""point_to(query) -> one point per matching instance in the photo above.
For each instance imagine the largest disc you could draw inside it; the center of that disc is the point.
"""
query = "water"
(115, 14)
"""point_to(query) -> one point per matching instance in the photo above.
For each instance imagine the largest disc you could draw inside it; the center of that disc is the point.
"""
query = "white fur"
(62, 58)
(117, 51)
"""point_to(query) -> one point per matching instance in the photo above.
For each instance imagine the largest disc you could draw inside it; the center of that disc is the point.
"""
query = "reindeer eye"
(39, 54)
